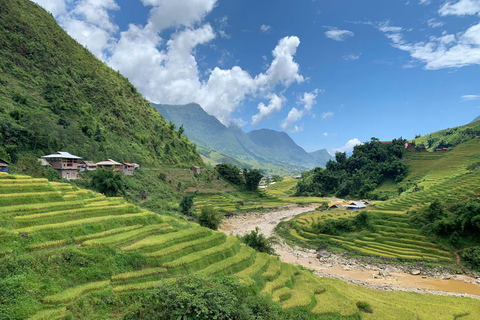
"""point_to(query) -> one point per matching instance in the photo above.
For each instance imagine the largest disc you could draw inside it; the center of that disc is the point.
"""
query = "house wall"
(69, 174)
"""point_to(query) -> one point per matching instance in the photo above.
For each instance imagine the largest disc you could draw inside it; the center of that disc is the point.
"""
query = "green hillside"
(322, 156)
(55, 95)
(476, 119)
(67, 253)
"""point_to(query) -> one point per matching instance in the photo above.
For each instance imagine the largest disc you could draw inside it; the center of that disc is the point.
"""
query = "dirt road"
(349, 270)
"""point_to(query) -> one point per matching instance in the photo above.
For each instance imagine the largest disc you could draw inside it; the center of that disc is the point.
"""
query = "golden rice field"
(62, 219)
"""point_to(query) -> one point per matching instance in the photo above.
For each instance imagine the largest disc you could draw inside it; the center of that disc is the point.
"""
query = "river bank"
(379, 276)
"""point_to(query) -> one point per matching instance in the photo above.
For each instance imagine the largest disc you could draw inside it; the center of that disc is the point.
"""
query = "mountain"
(256, 148)
(55, 95)
(321, 156)
(476, 119)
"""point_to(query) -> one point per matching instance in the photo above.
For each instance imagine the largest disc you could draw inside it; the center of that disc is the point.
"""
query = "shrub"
(186, 205)
(108, 182)
(252, 179)
(259, 242)
(472, 257)
(364, 306)
(210, 218)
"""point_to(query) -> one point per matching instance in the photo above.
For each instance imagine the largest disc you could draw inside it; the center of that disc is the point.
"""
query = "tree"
(210, 218)
(230, 173)
(252, 179)
(259, 242)
(186, 205)
(108, 182)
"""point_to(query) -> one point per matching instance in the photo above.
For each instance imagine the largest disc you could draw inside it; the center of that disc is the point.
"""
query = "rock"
(390, 269)
(24, 235)
(374, 276)
(347, 268)
(415, 272)
(446, 277)
(323, 254)
(383, 273)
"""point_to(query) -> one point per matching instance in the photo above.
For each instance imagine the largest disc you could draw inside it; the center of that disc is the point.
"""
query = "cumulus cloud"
(470, 97)
(308, 100)
(327, 115)
(337, 34)
(264, 111)
(265, 28)
(348, 146)
(55, 7)
(460, 8)
(446, 51)
(166, 70)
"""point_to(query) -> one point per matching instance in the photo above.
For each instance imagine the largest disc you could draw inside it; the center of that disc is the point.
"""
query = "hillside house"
(110, 164)
(195, 169)
(87, 166)
(356, 205)
(127, 169)
(3, 165)
(410, 146)
(65, 163)
(386, 142)
(136, 166)
(441, 149)
(335, 206)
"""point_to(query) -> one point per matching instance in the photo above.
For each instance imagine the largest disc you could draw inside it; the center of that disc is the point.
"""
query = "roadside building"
(65, 163)
(195, 169)
(356, 205)
(3, 165)
(110, 164)
(128, 168)
(87, 166)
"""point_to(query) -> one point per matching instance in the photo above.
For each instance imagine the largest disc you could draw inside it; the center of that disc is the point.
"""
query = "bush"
(108, 182)
(252, 179)
(186, 205)
(472, 257)
(364, 306)
(259, 242)
(210, 218)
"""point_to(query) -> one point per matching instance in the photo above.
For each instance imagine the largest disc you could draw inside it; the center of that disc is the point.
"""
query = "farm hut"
(335, 206)
(356, 205)
(367, 202)
(87, 166)
(65, 163)
(195, 169)
(127, 169)
(110, 164)
(3, 165)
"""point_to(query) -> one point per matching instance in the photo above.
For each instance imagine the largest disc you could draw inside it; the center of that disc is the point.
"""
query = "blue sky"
(331, 73)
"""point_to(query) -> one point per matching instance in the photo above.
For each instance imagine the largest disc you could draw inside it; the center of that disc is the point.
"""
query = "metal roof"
(129, 164)
(62, 155)
(89, 163)
(4, 162)
(357, 204)
(108, 162)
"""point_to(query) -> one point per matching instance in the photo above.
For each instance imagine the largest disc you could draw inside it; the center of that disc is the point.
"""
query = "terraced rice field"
(394, 236)
(49, 225)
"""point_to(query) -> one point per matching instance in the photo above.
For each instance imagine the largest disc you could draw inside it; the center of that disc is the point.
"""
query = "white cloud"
(55, 7)
(348, 146)
(308, 100)
(327, 115)
(433, 23)
(447, 51)
(425, 2)
(264, 111)
(338, 35)
(176, 13)
(265, 28)
(326, 134)
(352, 57)
(470, 97)
(166, 70)
(460, 8)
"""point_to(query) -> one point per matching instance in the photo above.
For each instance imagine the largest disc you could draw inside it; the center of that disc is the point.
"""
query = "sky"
(332, 74)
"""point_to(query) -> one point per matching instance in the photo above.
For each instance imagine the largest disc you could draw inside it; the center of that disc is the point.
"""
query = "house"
(136, 166)
(110, 164)
(410, 146)
(386, 142)
(335, 206)
(65, 163)
(356, 205)
(128, 168)
(3, 165)
(366, 202)
(87, 166)
(195, 169)
(441, 149)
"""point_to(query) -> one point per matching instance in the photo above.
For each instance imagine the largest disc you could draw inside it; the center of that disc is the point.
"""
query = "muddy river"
(366, 275)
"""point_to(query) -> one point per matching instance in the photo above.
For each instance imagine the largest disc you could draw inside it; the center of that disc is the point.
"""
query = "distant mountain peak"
(476, 119)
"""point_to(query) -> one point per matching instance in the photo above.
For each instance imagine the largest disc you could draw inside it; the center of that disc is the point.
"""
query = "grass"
(285, 276)
(138, 274)
(75, 292)
(49, 314)
(129, 235)
(244, 258)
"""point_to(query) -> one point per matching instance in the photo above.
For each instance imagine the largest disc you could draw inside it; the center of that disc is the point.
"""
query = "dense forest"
(356, 176)
(55, 95)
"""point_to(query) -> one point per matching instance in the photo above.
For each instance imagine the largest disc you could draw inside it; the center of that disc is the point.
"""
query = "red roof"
(129, 165)
(385, 141)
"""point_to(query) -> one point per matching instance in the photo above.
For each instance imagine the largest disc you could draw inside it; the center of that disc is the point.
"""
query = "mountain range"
(264, 146)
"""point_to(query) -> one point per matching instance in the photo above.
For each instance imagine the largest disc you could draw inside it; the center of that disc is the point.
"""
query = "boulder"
(415, 272)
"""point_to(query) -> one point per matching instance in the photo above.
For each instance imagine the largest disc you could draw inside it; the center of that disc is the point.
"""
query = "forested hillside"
(55, 95)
